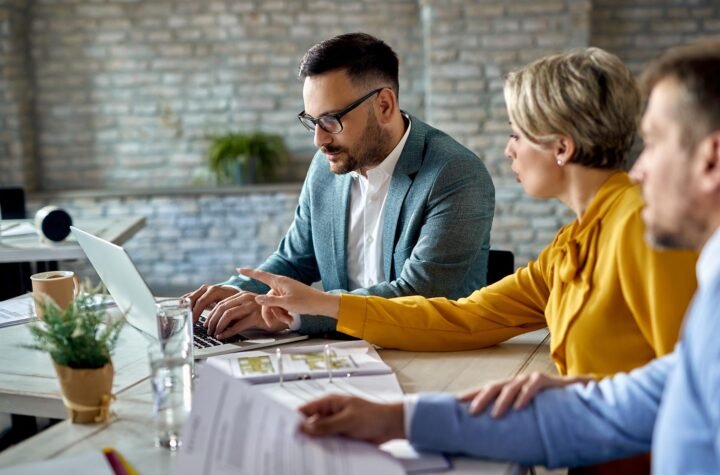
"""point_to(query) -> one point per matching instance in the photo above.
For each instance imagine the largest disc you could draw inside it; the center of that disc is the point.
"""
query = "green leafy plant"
(82, 336)
(246, 157)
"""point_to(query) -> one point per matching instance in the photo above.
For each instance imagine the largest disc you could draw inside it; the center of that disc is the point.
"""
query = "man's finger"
(194, 295)
(230, 316)
(323, 406)
(202, 302)
(235, 328)
(340, 423)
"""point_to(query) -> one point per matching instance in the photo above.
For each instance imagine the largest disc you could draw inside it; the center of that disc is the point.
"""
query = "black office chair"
(500, 264)
(14, 281)
(15, 276)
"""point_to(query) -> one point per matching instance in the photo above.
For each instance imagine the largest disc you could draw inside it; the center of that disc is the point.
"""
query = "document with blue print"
(235, 428)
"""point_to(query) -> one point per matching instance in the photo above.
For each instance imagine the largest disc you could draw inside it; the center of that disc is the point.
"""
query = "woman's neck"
(583, 184)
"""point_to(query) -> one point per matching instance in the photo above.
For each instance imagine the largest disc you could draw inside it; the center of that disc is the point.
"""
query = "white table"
(131, 431)
(29, 386)
(31, 248)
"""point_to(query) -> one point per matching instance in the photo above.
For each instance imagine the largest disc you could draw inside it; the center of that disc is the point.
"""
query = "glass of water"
(174, 321)
(171, 380)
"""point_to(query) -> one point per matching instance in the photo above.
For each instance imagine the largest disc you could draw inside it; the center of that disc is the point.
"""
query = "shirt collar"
(708, 265)
(387, 166)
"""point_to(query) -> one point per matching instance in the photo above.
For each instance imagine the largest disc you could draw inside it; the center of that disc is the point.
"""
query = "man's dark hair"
(367, 60)
(695, 67)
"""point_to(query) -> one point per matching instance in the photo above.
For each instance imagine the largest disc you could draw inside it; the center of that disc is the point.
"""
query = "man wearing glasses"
(390, 206)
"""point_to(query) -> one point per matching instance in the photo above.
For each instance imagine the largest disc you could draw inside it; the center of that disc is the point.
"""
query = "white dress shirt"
(365, 229)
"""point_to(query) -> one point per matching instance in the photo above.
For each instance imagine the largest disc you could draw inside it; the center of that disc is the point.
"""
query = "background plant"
(229, 150)
(81, 336)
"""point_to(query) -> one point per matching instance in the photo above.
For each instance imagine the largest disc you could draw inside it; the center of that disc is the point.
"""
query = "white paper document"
(235, 429)
(17, 229)
(414, 461)
(16, 311)
(381, 388)
(345, 359)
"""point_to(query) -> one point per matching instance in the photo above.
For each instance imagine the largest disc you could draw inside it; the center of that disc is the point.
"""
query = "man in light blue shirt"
(672, 405)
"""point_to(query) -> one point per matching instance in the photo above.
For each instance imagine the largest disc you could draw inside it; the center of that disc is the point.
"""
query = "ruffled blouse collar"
(573, 257)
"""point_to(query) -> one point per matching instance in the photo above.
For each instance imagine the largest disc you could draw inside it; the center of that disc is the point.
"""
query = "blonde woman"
(611, 302)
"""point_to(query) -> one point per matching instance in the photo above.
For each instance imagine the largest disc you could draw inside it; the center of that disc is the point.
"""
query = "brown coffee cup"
(60, 285)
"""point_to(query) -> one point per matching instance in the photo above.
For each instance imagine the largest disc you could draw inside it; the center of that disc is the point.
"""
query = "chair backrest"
(12, 203)
(500, 264)
(15, 276)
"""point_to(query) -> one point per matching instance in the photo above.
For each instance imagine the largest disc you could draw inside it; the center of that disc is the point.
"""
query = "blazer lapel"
(340, 217)
(408, 164)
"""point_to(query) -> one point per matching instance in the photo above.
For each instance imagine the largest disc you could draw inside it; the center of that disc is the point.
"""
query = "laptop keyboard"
(201, 339)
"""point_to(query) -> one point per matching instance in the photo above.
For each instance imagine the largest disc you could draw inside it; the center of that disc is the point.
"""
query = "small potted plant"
(243, 158)
(80, 340)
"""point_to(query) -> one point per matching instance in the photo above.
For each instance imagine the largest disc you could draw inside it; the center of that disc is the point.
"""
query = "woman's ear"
(564, 149)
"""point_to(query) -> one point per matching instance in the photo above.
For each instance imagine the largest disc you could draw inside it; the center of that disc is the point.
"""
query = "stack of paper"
(357, 370)
(16, 311)
(233, 429)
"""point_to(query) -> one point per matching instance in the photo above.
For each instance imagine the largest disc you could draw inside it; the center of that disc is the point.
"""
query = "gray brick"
(128, 91)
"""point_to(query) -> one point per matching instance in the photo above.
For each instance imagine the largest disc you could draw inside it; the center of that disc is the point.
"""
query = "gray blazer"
(436, 229)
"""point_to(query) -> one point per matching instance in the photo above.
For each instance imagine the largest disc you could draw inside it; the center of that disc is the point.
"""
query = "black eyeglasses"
(331, 123)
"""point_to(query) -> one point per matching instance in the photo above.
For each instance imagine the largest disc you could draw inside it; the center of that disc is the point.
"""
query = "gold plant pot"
(87, 393)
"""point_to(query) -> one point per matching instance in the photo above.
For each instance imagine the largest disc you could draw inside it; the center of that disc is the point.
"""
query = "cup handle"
(76, 285)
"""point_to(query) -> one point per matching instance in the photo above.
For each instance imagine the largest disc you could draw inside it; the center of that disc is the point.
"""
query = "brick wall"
(188, 239)
(127, 90)
(17, 165)
(471, 46)
(639, 31)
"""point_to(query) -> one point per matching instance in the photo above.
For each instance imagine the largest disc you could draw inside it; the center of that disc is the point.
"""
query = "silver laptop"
(133, 297)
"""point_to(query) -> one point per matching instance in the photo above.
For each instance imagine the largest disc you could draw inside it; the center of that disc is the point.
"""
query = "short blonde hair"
(589, 95)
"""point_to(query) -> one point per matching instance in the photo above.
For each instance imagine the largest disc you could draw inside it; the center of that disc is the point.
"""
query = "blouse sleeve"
(514, 305)
(658, 284)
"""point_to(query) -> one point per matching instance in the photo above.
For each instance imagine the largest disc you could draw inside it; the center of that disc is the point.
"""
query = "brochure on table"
(346, 359)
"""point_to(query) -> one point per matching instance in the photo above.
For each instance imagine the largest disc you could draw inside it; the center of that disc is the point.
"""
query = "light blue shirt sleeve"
(687, 432)
(565, 427)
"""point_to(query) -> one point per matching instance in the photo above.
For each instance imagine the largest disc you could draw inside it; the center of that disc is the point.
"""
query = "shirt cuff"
(295, 325)
(409, 405)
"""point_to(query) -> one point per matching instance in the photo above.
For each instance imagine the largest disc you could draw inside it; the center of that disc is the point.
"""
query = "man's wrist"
(396, 420)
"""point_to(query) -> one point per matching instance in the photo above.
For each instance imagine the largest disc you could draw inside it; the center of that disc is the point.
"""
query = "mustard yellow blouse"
(611, 302)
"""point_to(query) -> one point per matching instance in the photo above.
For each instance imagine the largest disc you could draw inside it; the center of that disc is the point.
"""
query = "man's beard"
(686, 234)
(373, 147)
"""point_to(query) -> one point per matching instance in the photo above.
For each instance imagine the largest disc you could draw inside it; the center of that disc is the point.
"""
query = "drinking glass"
(171, 380)
(174, 321)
